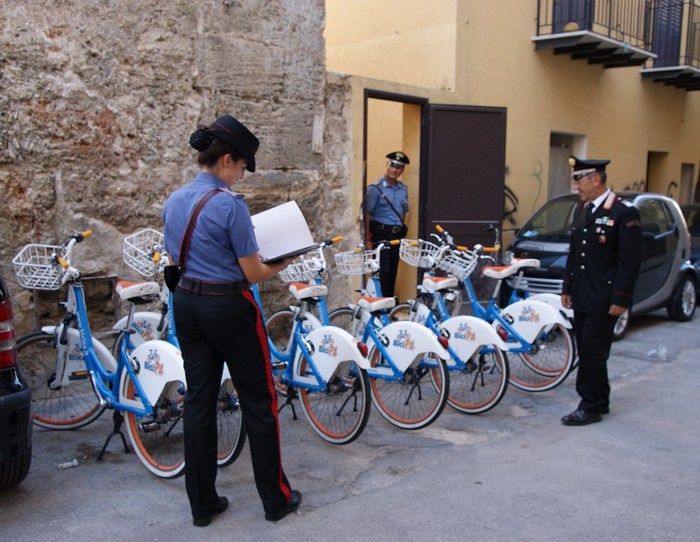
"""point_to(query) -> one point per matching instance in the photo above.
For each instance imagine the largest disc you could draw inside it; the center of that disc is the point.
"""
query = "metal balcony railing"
(622, 21)
(676, 32)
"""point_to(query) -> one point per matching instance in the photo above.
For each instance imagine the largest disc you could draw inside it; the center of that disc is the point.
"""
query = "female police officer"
(217, 319)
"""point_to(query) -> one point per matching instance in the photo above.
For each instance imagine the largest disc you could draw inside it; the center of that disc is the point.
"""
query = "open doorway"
(393, 123)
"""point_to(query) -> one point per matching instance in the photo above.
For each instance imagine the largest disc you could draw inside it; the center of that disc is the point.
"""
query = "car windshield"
(552, 222)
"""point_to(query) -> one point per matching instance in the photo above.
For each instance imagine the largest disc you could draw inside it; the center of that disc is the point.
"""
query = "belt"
(386, 227)
(200, 287)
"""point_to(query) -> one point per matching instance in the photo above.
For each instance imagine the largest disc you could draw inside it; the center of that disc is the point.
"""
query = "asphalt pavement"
(514, 473)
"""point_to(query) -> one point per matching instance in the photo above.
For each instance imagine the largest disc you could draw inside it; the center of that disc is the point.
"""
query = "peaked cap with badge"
(398, 158)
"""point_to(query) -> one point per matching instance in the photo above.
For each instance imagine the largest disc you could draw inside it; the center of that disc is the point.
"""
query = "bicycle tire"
(410, 403)
(548, 363)
(344, 318)
(230, 426)
(279, 329)
(477, 385)
(400, 312)
(339, 413)
(72, 405)
(480, 384)
(158, 440)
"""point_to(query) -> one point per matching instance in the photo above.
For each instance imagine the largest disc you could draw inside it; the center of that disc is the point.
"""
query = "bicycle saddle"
(132, 290)
(433, 284)
(373, 304)
(301, 290)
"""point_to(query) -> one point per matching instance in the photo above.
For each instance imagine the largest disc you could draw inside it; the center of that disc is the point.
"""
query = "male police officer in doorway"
(386, 206)
(601, 270)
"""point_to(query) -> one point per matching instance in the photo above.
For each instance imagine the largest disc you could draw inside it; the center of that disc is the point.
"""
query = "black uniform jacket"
(604, 257)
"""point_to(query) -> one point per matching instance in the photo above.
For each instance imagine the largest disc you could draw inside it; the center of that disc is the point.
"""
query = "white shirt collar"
(599, 200)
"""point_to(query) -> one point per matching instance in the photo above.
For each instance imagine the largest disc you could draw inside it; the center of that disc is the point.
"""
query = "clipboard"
(292, 254)
(282, 232)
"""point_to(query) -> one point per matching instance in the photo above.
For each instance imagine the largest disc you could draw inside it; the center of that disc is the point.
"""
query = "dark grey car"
(666, 278)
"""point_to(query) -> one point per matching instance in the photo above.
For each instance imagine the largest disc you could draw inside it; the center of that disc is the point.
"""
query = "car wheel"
(621, 325)
(682, 304)
(15, 469)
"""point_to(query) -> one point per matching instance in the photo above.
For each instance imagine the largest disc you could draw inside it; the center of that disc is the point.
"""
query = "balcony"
(676, 43)
(614, 33)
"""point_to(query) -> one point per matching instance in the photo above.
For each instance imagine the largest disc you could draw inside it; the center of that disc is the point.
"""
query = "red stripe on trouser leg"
(262, 336)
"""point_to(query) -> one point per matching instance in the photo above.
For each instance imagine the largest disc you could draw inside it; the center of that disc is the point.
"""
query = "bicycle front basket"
(356, 263)
(139, 249)
(36, 267)
(418, 253)
(460, 264)
(304, 268)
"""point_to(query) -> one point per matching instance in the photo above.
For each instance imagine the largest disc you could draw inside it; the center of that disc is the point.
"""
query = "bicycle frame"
(299, 347)
(108, 383)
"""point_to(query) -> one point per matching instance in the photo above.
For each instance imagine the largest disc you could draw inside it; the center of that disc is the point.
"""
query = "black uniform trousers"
(211, 329)
(594, 335)
(388, 260)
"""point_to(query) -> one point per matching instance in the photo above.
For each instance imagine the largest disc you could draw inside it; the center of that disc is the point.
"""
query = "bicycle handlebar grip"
(462, 248)
(491, 249)
(336, 239)
(62, 262)
(439, 228)
(156, 257)
(395, 242)
(87, 233)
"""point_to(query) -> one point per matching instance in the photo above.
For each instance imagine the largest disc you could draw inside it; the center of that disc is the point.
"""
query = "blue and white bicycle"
(74, 377)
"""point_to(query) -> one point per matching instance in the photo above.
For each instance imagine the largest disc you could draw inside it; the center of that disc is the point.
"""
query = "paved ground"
(514, 473)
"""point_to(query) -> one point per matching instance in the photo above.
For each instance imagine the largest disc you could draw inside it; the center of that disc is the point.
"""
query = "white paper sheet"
(282, 232)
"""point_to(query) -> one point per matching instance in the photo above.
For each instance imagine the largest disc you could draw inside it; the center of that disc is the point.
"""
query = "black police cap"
(399, 158)
(589, 166)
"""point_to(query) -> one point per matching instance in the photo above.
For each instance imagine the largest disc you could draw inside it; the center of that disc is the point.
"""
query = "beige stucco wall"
(613, 112)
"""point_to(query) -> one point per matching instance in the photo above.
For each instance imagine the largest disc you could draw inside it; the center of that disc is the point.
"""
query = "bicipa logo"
(153, 363)
(143, 328)
(75, 353)
(328, 346)
(529, 314)
(465, 333)
(403, 340)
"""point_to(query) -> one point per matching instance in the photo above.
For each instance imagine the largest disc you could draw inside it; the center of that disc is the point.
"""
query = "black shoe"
(581, 417)
(221, 506)
(292, 505)
(605, 410)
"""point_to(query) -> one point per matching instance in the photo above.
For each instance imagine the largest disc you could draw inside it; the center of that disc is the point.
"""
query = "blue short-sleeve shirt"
(223, 232)
(377, 207)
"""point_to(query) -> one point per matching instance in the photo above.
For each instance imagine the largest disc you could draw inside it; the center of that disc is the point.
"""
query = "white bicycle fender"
(145, 325)
(407, 340)
(159, 363)
(554, 300)
(75, 362)
(331, 347)
(531, 317)
(468, 333)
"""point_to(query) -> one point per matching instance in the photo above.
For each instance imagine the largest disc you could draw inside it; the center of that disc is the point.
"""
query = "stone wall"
(98, 98)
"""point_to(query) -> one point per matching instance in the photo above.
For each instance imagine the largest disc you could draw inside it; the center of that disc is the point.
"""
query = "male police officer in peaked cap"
(386, 207)
(601, 270)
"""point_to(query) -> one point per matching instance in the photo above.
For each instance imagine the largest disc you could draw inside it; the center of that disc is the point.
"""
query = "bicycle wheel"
(546, 364)
(279, 330)
(339, 413)
(72, 404)
(480, 384)
(402, 311)
(344, 318)
(158, 439)
(416, 400)
(229, 422)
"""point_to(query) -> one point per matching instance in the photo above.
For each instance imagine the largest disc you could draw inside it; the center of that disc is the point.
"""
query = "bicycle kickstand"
(118, 420)
(291, 395)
